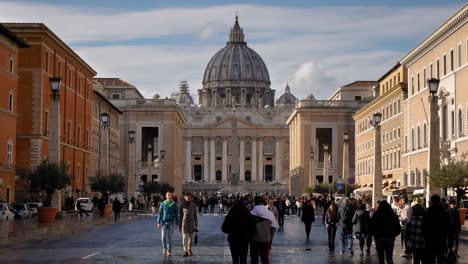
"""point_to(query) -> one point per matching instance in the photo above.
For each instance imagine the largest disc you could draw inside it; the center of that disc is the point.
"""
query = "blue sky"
(316, 46)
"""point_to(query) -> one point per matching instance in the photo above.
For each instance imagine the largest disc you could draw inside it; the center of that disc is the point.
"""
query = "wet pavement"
(138, 241)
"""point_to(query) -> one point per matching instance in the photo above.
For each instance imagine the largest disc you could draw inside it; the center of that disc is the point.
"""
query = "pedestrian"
(345, 220)
(80, 208)
(116, 207)
(455, 227)
(239, 225)
(281, 206)
(271, 206)
(414, 234)
(288, 206)
(260, 241)
(370, 210)
(167, 220)
(188, 223)
(298, 206)
(101, 203)
(404, 216)
(436, 231)
(308, 217)
(331, 220)
(385, 227)
(361, 221)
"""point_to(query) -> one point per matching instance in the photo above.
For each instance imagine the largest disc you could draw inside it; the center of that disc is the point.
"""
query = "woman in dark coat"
(239, 225)
(361, 221)
(384, 226)
(331, 220)
(308, 216)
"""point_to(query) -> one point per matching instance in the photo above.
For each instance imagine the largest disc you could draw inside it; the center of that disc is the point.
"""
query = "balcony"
(445, 145)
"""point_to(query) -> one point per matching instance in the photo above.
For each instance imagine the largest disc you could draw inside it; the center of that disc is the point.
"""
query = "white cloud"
(315, 49)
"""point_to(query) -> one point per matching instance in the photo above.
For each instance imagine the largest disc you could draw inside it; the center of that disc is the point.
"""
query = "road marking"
(91, 255)
(20, 246)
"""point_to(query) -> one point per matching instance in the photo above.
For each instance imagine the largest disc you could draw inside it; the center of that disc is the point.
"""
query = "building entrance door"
(269, 173)
(197, 172)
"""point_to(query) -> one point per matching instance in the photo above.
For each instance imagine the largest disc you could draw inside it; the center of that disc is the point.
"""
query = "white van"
(86, 204)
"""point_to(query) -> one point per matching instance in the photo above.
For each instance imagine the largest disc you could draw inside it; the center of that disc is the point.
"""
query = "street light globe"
(346, 137)
(433, 84)
(131, 136)
(325, 147)
(377, 117)
(55, 84)
(105, 119)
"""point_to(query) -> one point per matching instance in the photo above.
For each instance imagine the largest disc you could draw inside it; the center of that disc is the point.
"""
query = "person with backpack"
(345, 220)
(361, 221)
(385, 227)
(168, 219)
(260, 241)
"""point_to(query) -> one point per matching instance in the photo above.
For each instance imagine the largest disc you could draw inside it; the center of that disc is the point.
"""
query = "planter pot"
(107, 210)
(46, 214)
(462, 215)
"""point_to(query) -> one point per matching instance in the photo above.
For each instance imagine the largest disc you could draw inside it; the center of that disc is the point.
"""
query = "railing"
(144, 164)
(145, 103)
(330, 104)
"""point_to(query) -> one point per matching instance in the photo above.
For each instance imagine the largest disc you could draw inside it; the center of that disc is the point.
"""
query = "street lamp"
(311, 154)
(325, 164)
(55, 86)
(105, 120)
(346, 137)
(131, 136)
(377, 173)
(345, 161)
(434, 124)
(163, 154)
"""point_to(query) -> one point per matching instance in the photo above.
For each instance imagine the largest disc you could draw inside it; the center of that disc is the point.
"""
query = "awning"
(363, 190)
(420, 191)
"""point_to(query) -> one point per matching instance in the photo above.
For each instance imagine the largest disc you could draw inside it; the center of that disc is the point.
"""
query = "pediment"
(227, 123)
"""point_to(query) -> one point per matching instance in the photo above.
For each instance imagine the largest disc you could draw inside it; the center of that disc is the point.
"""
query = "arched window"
(412, 139)
(460, 123)
(419, 137)
(425, 135)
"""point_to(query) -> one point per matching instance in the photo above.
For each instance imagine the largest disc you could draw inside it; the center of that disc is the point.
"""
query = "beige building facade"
(442, 55)
(390, 93)
(315, 125)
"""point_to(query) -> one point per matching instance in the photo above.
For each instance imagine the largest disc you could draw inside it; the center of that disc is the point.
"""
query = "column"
(260, 160)
(434, 146)
(278, 167)
(188, 159)
(225, 163)
(377, 177)
(206, 158)
(242, 160)
(254, 159)
(212, 160)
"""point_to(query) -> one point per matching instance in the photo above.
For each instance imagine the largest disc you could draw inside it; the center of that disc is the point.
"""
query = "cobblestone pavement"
(139, 242)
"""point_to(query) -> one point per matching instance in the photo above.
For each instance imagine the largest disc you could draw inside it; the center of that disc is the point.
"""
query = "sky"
(315, 46)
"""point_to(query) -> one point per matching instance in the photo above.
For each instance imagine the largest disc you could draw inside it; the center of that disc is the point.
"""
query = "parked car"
(23, 210)
(6, 213)
(33, 207)
(86, 204)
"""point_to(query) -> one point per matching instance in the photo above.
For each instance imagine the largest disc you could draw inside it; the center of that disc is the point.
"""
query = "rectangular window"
(445, 65)
(418, 83)
(438, 69)
(453, 123)
(412, 85)
(451, 60)
(10, 154)
(79, 137)
(399, 78)
(424, 78)
(357, 98)
(69, 78)
(12, 65)
(86, 139)
(10, 102)
(116, 96)
(79, 85)
(46, 123)
(69, 133)
(431, 72)
(459, 55)
(47, 61)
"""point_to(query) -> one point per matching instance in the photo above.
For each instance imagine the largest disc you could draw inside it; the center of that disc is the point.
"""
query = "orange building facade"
(10, 45)
(49, 56)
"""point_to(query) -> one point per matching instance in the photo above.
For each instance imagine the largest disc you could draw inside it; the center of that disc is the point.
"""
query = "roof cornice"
(455, 22)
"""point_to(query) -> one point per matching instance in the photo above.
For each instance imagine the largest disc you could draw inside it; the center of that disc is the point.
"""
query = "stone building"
(105, 139)
(319, 153)
(442, 55)
(10, 45)
(236, 117)
(391, 91)
(49, 56)
(151, 136)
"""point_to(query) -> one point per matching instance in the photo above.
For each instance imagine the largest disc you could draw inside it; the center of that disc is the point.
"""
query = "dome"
(183, 96)
(236, 62)
(287, 98)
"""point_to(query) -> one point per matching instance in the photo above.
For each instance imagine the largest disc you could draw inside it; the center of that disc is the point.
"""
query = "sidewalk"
(29, 229)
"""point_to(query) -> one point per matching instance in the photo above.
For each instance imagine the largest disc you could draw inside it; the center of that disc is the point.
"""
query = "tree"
(151, 188)
(107, 185)
(48, 178)
(308, 190)
(156, 96)
(453, 175)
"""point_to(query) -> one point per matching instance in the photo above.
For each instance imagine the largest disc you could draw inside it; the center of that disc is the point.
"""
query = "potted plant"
(106, 185)
(48, 178)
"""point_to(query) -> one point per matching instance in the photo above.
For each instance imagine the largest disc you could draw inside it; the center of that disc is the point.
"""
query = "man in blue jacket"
(168, 218)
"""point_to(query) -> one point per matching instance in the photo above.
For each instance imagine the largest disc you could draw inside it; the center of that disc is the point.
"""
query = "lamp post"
(131, 136)
(105, 124)
(311, 176)
(345, 161)
(54, 137)
(434, 123)
(325, 167)
(234, 152)
(377, 173)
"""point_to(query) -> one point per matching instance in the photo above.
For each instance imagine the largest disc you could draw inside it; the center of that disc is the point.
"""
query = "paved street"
(138, 241)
